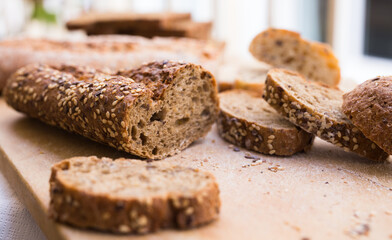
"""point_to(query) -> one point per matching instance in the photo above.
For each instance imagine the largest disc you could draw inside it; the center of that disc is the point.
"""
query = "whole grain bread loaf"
(246, 120)
(112, 52)
(286, 49)
(369, 108)
(152, 111)
(317, 110)
(131, 196)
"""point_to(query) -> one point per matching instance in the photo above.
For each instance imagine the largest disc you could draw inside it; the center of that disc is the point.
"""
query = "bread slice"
(317, 110)
(246, 120)
(286, 49)
(251, 79)
(246, 75)
(152, 111)
(131, 196)
(369, 108)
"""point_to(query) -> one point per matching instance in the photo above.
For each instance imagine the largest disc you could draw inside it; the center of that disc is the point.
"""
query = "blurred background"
(360, 31)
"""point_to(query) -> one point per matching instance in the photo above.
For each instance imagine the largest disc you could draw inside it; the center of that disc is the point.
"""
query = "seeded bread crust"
(368, 106)
(305, 104)
(110, 51)
(267, 132)
(153, 111)
(286, 49)
(131, 204)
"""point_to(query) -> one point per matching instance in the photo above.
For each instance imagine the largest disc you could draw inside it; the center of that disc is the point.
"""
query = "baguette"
(131, 196)
(317, 110)
(153, 111)
(111, 52)
(286, 49)
(246, 120)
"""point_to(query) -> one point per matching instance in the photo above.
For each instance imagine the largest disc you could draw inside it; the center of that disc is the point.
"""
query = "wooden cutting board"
(324, 194)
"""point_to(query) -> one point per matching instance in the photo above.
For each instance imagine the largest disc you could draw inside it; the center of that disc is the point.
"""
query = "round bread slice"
(286, 49)
(369, 108)
(317, 110)
(246, 120)
(131, 196)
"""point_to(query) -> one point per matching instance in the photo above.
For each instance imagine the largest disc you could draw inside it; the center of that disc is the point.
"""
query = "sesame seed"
(272, 152)
(346, 138)
(355, 147)
(373, 146)
(107, 114)
(123, 124)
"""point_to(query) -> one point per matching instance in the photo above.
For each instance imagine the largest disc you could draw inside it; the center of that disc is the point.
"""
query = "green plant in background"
(40, 13)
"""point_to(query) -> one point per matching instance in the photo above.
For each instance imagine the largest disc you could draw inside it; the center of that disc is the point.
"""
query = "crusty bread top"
(250, 106)
(127, 178)
(158, 75)
(286, 49)
(369, 108)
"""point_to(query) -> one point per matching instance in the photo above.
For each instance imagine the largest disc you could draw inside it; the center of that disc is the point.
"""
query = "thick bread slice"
(131, 196)
(153, 111)
(286, 49)
(317, 110)
(248, 121)
(369, 108)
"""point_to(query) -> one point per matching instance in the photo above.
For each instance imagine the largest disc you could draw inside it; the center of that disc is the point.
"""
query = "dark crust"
(368, 106)
(157, 76)
(255, 137)
(94, 103)
(134, 215)
(263, 139)
(342, 134)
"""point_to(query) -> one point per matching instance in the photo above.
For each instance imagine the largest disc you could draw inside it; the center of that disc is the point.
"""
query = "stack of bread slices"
(301, 99)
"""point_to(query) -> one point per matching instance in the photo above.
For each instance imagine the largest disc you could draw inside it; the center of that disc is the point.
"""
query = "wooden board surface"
(324, 194)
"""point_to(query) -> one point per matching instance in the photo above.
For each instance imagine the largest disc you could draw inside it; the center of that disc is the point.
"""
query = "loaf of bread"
(152, 111)
(246, 120)
(131, 196)
(286, 49)
(112, 52)
(126, 21)
(369, 108)
(317, 110)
